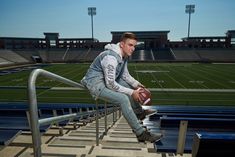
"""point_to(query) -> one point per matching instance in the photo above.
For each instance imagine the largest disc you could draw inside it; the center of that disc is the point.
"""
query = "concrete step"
(123, 144)
(11, 150)
(57, 151)
(104, 151)
(119, 139)
(91, 128)
(72, 141)
(84, 133)
(23, 140)
(122, 125)
(122, 131)
(121, 134)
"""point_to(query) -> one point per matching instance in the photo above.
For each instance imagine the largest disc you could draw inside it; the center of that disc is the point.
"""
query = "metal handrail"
(35, 123)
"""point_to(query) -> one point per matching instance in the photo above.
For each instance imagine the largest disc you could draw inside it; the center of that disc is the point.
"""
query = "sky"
(69, 18)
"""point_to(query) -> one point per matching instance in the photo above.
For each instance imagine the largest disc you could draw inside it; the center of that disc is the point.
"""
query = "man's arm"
(129, 79)
(109, 64)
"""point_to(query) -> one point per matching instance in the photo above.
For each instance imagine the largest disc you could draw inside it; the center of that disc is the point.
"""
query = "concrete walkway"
(119, 141)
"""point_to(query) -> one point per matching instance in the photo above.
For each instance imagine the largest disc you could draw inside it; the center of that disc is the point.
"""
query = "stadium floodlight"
(92, 12)
(189, 9)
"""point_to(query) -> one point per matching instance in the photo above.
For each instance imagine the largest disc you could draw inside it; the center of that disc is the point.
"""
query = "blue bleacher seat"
(195, 109)
(7, 136)
(192, 115)
(18, 123)
(169, 144)
(214, 119)
(222, 123)
(213, 144)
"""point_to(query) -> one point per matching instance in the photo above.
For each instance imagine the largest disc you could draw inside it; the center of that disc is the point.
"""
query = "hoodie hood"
(114, 47)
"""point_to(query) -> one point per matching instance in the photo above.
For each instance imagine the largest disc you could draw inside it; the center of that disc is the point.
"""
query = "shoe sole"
(150, 141)
(146, 116)
(158, 139)
(151, 114)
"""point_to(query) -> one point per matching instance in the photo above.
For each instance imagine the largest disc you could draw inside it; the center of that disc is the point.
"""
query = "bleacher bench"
(213, 144)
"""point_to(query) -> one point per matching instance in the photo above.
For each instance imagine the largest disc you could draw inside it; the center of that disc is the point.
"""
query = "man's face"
(128, 47)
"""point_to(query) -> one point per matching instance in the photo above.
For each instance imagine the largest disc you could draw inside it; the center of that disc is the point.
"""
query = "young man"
(108, 79)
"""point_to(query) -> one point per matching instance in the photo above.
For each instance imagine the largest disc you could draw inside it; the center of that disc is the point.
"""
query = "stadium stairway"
(119, 141)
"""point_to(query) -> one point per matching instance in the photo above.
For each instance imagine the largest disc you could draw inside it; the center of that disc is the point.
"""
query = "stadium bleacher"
(75, 55)
(55, 55)
(28, 54)
(142, 55)
(12, 56)
(213, 144)
(13, 117)
(186, 55)
(7, 136)
(4, 62)
(163, 54)
(15, 113)
(210, 123)
(14, 121)
(214, 120)
(217, 55)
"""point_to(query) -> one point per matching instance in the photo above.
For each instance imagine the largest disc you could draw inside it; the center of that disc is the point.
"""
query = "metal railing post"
(33, 108)
(105, 118)
(113, 115)
(97, 123)
(120, 112)
(36, 138)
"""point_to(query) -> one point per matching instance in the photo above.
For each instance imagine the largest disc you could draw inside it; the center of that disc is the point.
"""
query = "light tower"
(189, 9)
(92, 12)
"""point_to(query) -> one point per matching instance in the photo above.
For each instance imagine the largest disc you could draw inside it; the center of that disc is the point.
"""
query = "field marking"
(152, 71)
(156, 79)
(162, 89)
(151, 89)
(192, 100)
(191, 90)
(189, 77)
(137, 75)
(207, 78)
(66, 88)
(59, 83)
(175, 79)
(220, 70)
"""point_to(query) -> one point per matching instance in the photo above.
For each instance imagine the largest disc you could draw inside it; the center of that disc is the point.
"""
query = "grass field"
(171, 83)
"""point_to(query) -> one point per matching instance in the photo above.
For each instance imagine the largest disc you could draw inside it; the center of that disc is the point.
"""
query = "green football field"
(170, 84)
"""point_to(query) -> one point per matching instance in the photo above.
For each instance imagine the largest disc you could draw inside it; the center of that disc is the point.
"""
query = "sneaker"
(144, 127)
(148, 136)
(144, 113)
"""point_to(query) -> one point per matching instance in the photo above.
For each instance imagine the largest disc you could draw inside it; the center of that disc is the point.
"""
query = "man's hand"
(140, 86)
(135, 96)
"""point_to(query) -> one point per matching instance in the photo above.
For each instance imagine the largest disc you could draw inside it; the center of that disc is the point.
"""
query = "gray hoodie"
(106, 70)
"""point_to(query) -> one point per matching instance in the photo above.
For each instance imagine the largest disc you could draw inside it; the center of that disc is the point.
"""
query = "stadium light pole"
(92, 12)
(189, 9)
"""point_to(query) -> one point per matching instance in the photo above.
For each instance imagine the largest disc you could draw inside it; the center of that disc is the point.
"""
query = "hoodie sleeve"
(129, 79)
(109, 64)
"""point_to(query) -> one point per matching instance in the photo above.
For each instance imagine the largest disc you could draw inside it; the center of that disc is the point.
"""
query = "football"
(145, 96)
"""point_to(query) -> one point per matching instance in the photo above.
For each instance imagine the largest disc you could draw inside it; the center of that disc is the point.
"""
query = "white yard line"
(175, 79)
(137, 74)
(216, 82)
(66, 88)
(156, 79)
(191, 90)
(191, 79)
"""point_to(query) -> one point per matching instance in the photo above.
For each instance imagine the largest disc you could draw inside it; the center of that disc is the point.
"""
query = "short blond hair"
(128, 35)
